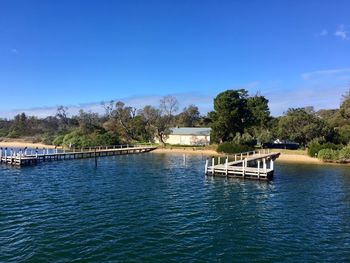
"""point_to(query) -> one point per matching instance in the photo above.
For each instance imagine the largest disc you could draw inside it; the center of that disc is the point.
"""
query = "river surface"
(161, 208)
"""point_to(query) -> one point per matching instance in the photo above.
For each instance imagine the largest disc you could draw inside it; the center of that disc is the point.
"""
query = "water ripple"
(158, 208)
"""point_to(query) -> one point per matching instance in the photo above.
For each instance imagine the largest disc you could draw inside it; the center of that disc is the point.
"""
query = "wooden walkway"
(257, 165)
(32, 157)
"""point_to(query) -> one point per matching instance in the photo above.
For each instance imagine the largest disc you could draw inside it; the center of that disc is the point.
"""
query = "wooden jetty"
(32, 157)
(257, 165)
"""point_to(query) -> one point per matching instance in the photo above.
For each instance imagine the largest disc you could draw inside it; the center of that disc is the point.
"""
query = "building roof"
(190, 131)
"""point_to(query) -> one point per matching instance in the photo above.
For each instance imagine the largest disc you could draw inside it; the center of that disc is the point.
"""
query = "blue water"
(160, 208)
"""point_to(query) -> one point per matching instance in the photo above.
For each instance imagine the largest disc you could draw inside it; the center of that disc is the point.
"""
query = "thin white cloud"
(321, 89)
(321, 96)
(342, 32)
(323, 33)
(204, 103)
(326, 73)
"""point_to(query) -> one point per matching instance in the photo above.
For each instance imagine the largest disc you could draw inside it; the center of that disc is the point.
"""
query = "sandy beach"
(19, 144)
(284, 157)
(297, 158)
(187, 151)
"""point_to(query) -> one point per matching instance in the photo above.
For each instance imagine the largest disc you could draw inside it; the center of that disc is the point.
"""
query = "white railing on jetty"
(253, 165)
(27, 156)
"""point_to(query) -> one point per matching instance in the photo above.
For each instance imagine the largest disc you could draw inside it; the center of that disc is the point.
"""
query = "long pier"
(32, 157)
(257, 165)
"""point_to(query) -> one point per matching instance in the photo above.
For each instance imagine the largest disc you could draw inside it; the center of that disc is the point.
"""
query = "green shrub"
(328, 155)
(76, 139)
(13, 134)
(105, 139)
(3, 133)
(72, 139)
(243, 139)
(344, 154)
(58, 140)
(233, 148)
(48, 138)
(315, 147)
(344, 134)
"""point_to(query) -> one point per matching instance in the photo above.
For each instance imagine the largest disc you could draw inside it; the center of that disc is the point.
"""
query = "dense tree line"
(119, 124)
(241, 119)
(237, 118)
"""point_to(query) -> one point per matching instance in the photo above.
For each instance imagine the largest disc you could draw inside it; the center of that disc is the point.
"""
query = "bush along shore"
(329, 152)
(334, 155)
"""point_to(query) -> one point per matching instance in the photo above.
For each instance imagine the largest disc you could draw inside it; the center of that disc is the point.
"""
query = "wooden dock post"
(243, 168)
(206, 166)
(264, 165)
(226, 166)
(271, 164)
(219, 160)
(212, 166)
(95, 159)
(258, 169)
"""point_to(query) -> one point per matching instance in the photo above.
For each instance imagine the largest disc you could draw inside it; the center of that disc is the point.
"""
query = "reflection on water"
(157, 207)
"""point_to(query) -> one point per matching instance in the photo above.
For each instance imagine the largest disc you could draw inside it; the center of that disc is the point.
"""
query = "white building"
(189, 136)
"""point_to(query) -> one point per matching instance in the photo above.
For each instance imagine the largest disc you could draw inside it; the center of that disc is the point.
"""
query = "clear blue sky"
(296, 53)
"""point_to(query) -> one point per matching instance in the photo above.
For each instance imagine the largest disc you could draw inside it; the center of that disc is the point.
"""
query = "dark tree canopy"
(259, 111)
(345, 109)
(302, 127)
(235, 113)
(230, 114)
(189, 117)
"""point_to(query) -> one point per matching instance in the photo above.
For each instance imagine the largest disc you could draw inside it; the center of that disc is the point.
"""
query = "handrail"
(13, 152)
(108, 147)
(117, 146)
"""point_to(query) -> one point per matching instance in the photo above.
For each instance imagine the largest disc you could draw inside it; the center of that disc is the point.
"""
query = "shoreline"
(283, 158)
